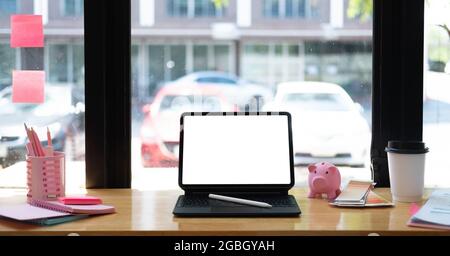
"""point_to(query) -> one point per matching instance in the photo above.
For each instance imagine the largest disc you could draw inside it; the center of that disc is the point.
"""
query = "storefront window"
(243, 68)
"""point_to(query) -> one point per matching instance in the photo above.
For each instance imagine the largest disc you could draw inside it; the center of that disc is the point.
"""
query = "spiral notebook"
(58, 220)
(75, 209)
(26, 212)
(37, 215)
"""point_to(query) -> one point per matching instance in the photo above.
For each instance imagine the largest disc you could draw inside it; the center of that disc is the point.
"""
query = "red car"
(161, 125)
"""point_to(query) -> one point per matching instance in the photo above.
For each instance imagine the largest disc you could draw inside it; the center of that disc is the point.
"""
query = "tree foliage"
(360, 9)
(220, 3)
(438, 14)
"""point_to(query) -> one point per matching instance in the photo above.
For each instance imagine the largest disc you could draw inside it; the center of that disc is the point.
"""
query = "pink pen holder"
(46, 176)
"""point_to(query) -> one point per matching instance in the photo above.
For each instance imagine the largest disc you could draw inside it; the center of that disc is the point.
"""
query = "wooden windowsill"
(150, 213)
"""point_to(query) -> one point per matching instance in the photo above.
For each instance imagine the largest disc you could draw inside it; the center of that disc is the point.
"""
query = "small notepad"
(81, 209)
(354, 194)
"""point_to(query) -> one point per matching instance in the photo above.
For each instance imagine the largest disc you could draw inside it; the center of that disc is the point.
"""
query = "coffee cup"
(406, 162)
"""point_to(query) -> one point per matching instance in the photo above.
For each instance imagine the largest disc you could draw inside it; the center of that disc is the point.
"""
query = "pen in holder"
(46, 176)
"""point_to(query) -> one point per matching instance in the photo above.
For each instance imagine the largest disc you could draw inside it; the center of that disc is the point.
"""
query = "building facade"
(266, 41)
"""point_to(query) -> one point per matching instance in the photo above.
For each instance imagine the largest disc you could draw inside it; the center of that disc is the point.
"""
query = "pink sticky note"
(27, 31)
(28, 86)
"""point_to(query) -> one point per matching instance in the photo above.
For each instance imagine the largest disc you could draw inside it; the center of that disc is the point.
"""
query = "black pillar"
(107, 28)
(397, 95)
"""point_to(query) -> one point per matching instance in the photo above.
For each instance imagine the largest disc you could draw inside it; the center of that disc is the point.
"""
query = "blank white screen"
(236, 150)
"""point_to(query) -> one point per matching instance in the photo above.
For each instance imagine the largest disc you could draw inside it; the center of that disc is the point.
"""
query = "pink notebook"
(85, 209)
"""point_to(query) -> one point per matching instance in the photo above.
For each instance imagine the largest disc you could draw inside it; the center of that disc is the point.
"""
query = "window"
(291, 8)
(271, 8)
(436, 105)
(349, 62)
(166, 62)
(7, 63)
(222, 58)
(65, 62)
(205, 8)
(174, 63)
(62, 59)
(200, 57)
(73, 7)
(8, 7)
(211, 57)
(193, 8)
(177, 8)
(319, 101)
(216, 80)
(58, 60)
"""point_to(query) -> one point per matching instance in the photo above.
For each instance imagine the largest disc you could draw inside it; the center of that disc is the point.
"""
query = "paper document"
(435, 213)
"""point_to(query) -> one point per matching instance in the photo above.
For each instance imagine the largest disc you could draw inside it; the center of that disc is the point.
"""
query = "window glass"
(62, 60)
(177, 7)
(78, 63)
(194, 8)
(256, 62)
(200, 57)
(7, 63)
(8, 7)
(73, 7)
(222, 58)
(204, 8)
(58, 59)
(189, 103)
(215, 80)
(177, 61)
(318, 101)
(157, 66)
(292, 8)
(436, 100)
(271, 8)
(320, 71)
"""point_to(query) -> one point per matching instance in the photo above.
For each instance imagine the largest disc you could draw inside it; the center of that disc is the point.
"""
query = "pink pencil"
(30, 138)
(49, 149)
(40, 151)
(49, 138)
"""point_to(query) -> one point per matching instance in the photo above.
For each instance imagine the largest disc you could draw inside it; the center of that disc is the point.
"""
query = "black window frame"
(107, 35)
(397, 95)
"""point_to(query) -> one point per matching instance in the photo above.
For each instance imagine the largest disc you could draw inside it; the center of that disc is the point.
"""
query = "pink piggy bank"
(324, 178)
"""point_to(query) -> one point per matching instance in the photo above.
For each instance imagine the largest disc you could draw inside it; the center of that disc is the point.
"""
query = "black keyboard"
(203, 201)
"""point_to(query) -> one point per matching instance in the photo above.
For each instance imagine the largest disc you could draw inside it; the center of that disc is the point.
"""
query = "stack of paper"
(435, 213)
(360, 194)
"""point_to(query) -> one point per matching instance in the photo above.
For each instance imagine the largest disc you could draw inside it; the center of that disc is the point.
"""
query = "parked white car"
(327, 125)
(237, 91)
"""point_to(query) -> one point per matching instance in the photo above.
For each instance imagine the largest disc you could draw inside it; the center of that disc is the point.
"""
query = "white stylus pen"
(240, 201)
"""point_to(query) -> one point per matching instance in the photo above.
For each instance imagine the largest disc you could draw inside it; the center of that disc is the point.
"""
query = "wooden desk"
(150, 213)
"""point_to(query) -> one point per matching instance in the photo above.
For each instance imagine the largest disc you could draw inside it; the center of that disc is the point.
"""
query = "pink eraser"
(80, 200)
